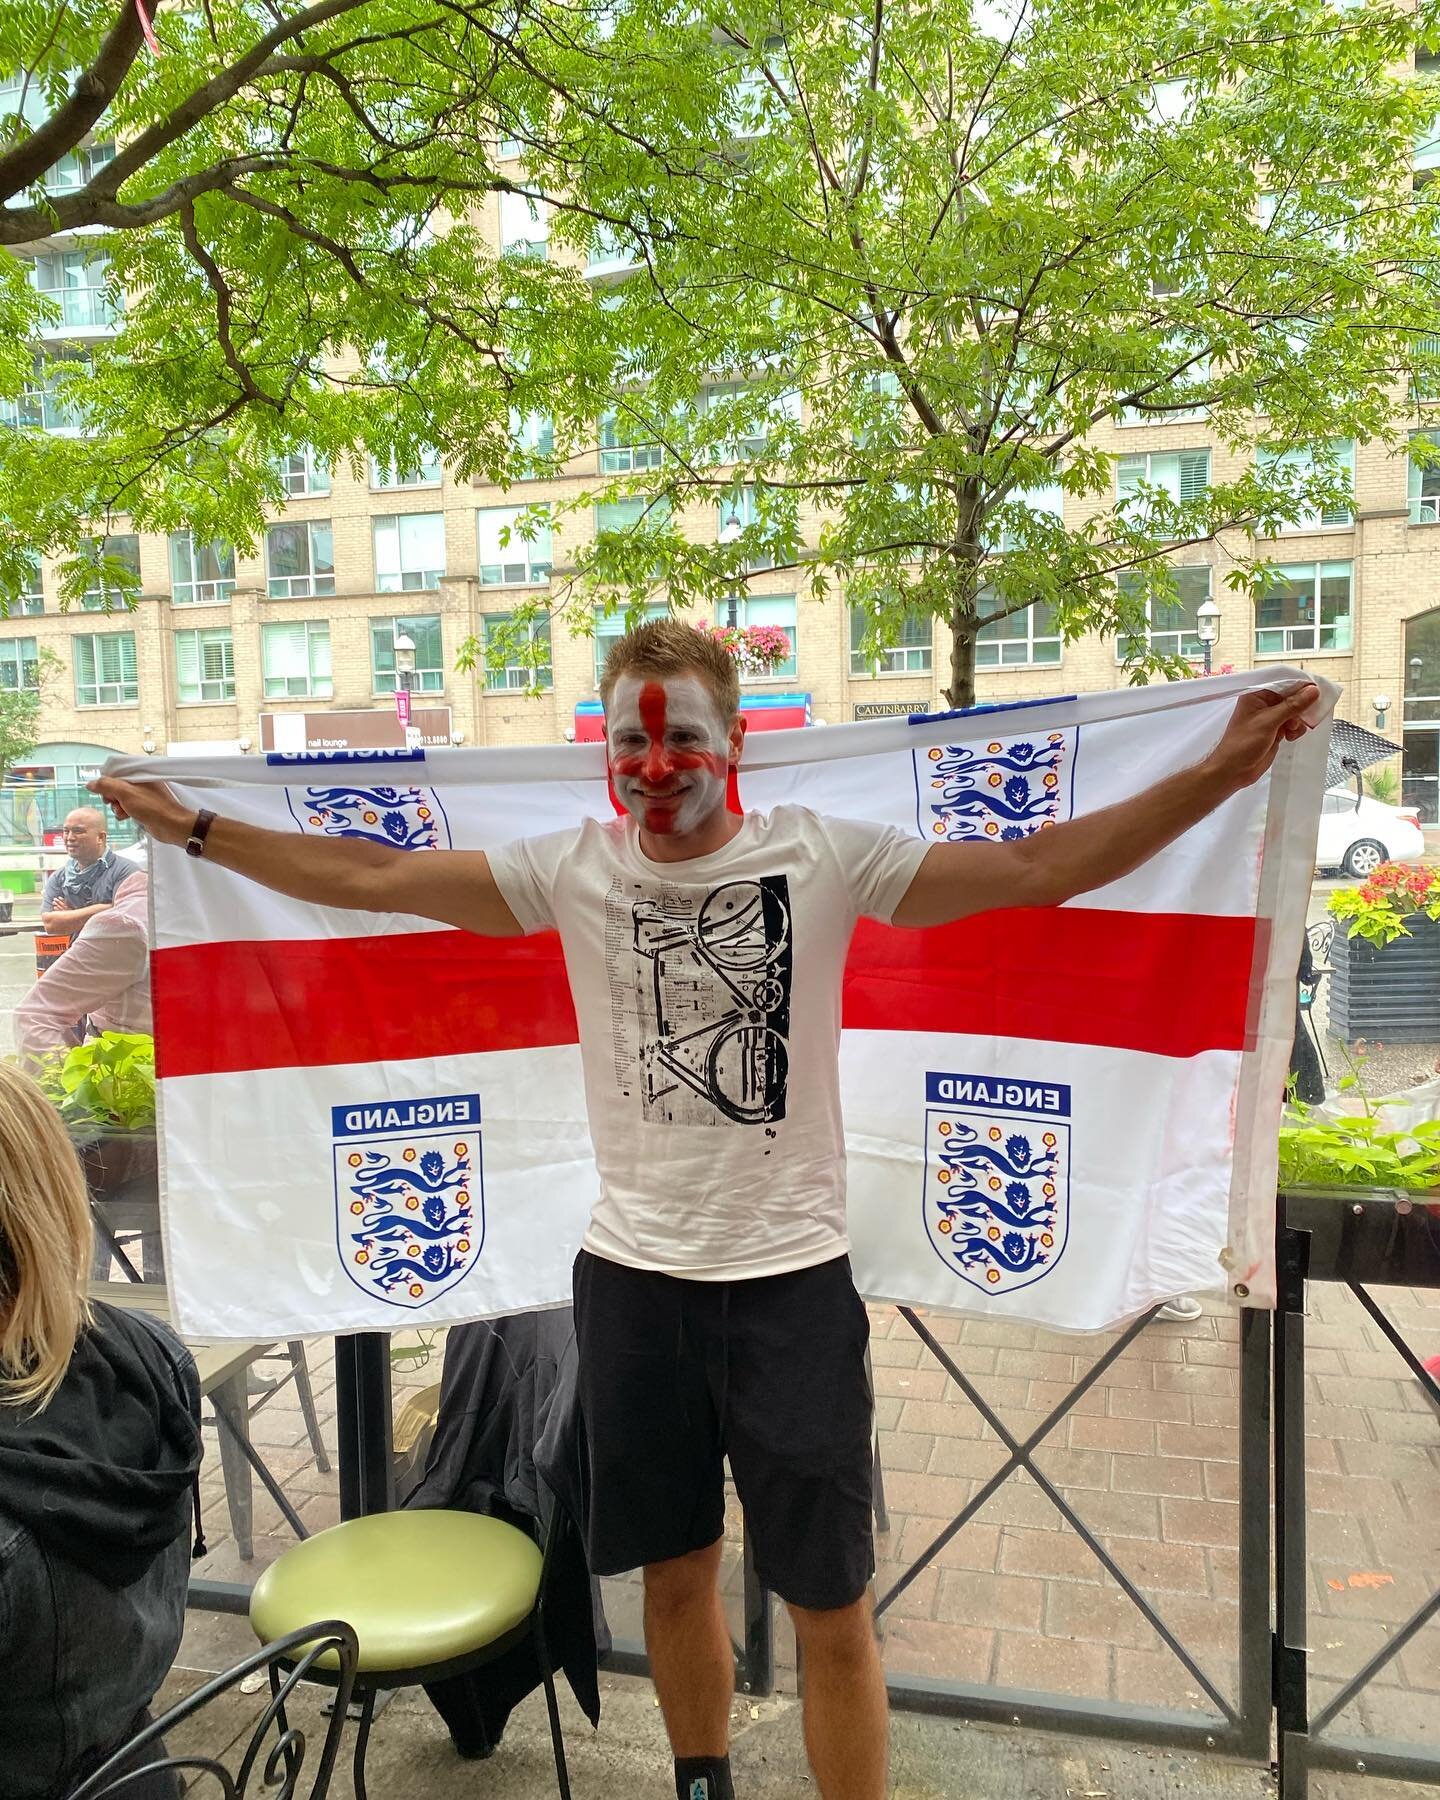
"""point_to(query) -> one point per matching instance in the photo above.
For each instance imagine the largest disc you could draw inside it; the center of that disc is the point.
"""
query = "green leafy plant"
(108, 1081)
(1377, 910)
(1383, 784)
(1357, 1150)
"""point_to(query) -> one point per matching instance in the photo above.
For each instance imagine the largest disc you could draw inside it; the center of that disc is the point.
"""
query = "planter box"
(1391, 993)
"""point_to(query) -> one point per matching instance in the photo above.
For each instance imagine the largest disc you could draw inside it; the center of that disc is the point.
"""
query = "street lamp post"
(1207, 628)
(404, 680)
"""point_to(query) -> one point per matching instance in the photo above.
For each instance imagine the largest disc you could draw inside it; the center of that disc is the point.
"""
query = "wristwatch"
(195, 843)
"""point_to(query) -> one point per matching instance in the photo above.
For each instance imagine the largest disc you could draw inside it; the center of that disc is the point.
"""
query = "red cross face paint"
(669, 752)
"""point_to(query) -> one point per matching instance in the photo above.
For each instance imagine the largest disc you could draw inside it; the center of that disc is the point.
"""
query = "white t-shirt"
(708, 997)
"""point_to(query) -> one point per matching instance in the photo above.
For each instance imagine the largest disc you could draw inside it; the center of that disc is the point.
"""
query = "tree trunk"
(963, 626)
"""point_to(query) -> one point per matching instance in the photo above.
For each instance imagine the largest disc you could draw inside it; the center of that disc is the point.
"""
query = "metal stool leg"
(307, 1403)
(362, 1741)
(238, 1490)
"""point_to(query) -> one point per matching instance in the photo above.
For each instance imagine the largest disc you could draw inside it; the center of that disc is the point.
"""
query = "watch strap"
(199, 831)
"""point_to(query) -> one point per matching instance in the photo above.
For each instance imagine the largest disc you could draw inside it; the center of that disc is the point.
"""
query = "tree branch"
(23, 166)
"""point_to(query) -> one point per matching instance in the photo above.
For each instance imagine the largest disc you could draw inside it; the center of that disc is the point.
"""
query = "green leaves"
(108, 1081)
(1357, 1152)
(973, 256)
(976, 249)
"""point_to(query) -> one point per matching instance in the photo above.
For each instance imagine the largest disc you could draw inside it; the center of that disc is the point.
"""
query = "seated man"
(86, 885)
(104, 977)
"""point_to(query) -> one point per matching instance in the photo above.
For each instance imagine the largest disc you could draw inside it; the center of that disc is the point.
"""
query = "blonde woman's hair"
(45, 1243)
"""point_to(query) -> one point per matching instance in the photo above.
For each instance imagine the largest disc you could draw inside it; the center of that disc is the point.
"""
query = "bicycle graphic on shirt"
(720, 990)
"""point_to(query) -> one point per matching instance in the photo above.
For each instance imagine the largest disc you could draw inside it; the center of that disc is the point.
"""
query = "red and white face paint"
(669, 752)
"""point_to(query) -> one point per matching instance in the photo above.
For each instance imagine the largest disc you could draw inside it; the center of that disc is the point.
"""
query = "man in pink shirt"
(104, 976)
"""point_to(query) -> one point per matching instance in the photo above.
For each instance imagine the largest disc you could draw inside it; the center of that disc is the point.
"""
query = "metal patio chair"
(275, 1752)
(431, 1593)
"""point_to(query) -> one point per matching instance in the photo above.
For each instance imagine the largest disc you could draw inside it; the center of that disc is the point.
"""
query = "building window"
(1425, 485)
(737, 513)
(1426, 159)
(409, 552)
(532, 433)
(205, 665)
(200, 574)
(1299, 466)
(524, 225)
(19, 664)
(1025, 639)
(426, 472)
(506, 671)
(745, 432)
(77, 168)
(43, 403)
(424, 633)
(31, 596)
(635, 509)
(303, 473)
(1306, 606)
(778, 610)
(300, 559)
(907, 646)
(1183, 475)
(612, 252)
(109, 560)
(295, 660)
(105, 669)
(1169, 401)
(624, 449)
(507, 558)
(78, 284)
(611, 627)
(1171, 628)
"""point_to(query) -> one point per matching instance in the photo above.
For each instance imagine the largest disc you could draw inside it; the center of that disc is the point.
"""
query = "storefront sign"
(370, 728)
(888, 709)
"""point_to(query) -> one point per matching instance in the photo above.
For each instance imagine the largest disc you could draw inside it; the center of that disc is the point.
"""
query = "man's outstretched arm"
(1049, 867)
(454, 887)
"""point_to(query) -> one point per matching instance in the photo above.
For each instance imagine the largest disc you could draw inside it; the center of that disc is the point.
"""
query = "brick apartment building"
(296, 643)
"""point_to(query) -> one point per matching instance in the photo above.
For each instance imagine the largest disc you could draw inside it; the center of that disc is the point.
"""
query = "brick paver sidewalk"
(1148, 1459)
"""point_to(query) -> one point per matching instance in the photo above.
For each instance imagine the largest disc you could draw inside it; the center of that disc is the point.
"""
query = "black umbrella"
(1353, 748)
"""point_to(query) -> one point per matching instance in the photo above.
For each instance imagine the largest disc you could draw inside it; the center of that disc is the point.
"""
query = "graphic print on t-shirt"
(700, 1000)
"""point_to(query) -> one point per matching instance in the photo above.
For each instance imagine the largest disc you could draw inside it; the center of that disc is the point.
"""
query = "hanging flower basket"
(757, 649)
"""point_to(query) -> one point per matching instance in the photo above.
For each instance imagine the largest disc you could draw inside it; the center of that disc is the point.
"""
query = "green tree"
(901, 261)
(290, 198)
(20, 714)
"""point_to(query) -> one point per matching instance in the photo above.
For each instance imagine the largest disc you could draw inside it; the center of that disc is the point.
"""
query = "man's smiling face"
(670, 751)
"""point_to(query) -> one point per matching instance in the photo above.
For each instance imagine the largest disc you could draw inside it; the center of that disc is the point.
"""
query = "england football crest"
(406, 818)
(1003, 788)
(997, 1177)
(409, 1195)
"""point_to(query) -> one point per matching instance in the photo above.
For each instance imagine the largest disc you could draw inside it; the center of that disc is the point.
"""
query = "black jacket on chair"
(508, 1384)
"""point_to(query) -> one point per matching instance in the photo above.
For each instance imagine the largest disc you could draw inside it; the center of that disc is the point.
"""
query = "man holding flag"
(715, 1311)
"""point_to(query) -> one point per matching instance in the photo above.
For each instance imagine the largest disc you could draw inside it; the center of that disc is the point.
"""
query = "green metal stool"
(429, 1594)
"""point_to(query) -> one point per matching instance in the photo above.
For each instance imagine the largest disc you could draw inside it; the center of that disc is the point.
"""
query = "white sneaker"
(1184, 1309)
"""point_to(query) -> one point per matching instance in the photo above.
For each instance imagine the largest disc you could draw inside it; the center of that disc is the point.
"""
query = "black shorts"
(675, 1375)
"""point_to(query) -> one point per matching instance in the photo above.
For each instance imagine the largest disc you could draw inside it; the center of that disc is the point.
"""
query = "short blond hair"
(45, 1245)
(671, 647)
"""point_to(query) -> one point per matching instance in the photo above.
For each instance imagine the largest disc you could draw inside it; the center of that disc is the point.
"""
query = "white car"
(1357, 835)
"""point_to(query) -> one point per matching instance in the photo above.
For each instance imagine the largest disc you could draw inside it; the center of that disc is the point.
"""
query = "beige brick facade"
(1396, 576)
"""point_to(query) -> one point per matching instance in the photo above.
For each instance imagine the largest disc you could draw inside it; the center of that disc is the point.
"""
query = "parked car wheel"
(1363, 859)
